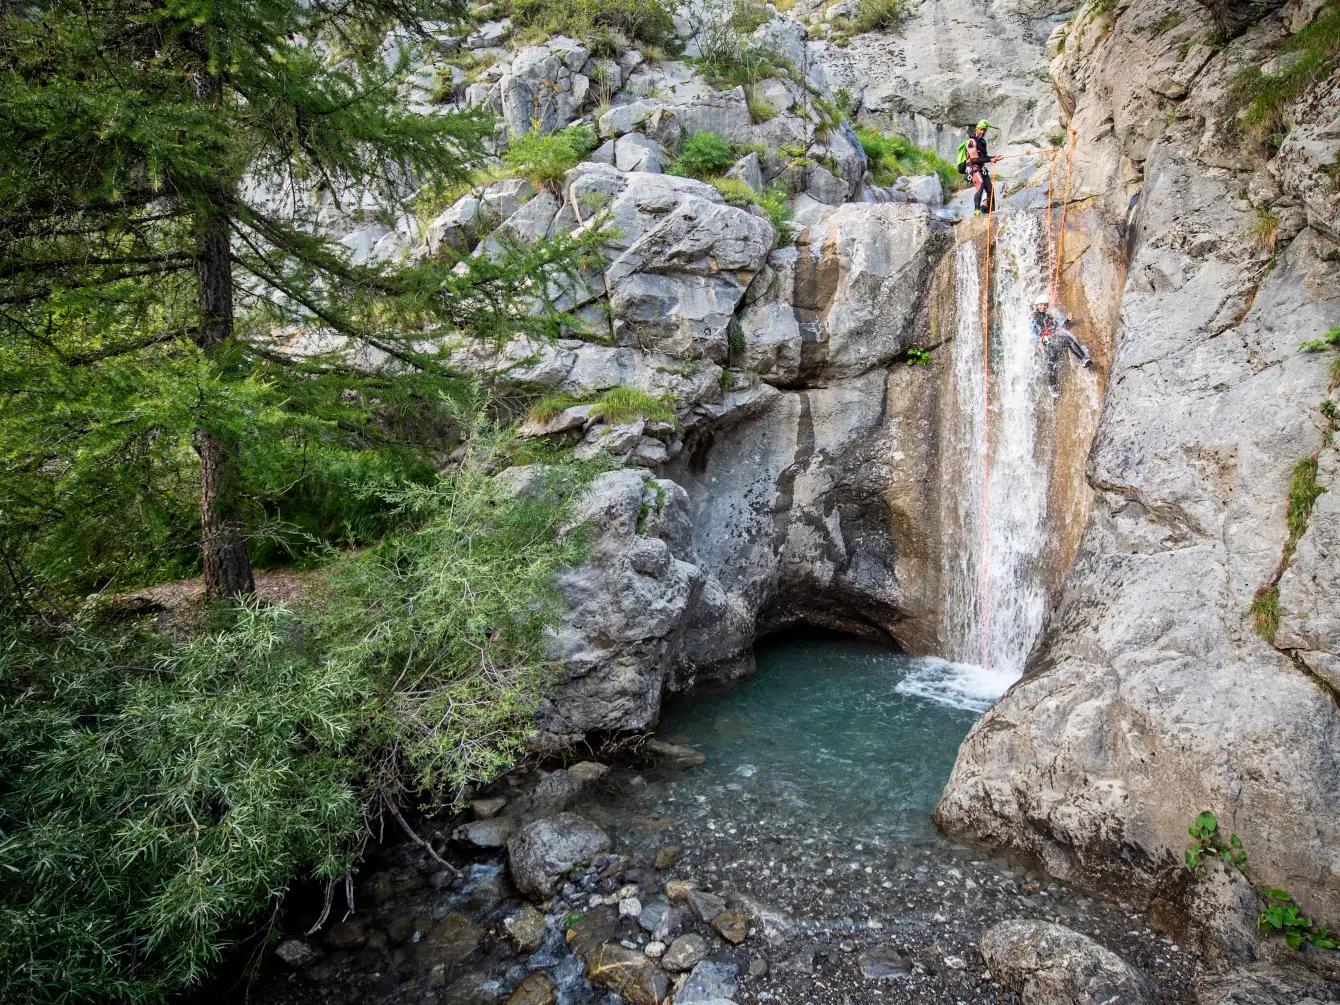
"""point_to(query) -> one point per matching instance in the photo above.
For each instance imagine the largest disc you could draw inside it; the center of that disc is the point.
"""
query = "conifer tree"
(161, 166)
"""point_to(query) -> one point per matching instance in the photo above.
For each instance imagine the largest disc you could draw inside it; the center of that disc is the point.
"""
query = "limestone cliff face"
(804, 479)
(1149, 695)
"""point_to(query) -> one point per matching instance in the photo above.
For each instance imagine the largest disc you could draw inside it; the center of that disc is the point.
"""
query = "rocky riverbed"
(667, 869)
(832, 915)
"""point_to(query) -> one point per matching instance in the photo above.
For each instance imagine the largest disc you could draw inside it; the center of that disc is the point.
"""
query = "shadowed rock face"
(1234, 16)
(1149, 695)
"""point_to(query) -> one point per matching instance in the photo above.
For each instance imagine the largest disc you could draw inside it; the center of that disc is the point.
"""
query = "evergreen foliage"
(188, 368)
(155, 795)
(166, 307)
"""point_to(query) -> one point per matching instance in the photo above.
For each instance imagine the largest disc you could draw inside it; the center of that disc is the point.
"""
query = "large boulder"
(543, 851)
(867, 278)
(627, 607)
(545, 88)
(1051, 965)
(683, 258)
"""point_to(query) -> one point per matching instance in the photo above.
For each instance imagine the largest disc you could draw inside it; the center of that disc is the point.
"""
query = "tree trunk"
(227, 568)
(223, 543)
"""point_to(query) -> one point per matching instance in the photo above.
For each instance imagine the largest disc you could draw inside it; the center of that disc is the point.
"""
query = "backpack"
(968, 148)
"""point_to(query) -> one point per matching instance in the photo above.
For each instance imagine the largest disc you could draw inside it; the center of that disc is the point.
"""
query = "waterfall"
(993, 556)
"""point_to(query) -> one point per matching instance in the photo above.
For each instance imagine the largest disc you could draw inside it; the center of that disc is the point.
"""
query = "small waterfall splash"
(996, 539)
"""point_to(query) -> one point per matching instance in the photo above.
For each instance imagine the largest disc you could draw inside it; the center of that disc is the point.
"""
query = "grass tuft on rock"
(1258, 102)
(1266, 612)
(625, 404)
(605, 24)
(1303, 493)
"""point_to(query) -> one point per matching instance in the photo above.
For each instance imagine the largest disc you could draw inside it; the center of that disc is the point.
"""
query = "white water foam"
(957, 685)
(995, 541)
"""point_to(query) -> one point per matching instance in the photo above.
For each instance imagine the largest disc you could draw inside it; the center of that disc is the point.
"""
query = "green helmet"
(984, 124)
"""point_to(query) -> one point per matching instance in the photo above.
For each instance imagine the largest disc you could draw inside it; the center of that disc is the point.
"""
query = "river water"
(849, 732)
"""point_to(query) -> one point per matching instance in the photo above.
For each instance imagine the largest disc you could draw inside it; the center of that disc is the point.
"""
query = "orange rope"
(1027, 153)
(1051, 237)
(986, 449)
(1065, 205)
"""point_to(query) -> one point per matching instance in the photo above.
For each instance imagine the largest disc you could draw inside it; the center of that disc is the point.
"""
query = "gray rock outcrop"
(545, 88)
(628, 606)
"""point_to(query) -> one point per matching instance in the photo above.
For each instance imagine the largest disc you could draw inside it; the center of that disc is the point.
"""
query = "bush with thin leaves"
(450, 620)
(157, 796)
(891, 157)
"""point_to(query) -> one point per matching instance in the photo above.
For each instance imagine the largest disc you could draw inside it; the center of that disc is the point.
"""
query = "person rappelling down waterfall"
(1054, 339)
(973, 157)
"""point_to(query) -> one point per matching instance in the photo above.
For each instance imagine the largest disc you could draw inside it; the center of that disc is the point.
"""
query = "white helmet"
(1042, 303)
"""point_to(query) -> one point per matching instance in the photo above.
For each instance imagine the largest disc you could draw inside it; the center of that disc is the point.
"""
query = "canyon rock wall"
(1150, 695)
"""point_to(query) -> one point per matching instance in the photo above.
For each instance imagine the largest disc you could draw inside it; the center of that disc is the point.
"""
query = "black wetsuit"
(985, 191)
(1056, 342)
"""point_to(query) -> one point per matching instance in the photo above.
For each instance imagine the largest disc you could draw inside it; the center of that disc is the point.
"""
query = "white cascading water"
(993, 556)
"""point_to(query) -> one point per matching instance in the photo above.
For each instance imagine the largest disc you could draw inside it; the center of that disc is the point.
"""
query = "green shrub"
(880, 15)
(649, 21)
(729, 55)
(1280, 915)
(759, 110)
(891, 157)
(1329, 340)
(918, 357)
(158, 796)
(703, 155)
(543, 158)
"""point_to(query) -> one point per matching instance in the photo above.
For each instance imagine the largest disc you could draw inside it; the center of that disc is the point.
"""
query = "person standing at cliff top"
(1055, 340)
(973, 157)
